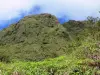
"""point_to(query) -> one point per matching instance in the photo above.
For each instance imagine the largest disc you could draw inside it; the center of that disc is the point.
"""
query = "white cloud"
(74, 9)
(11, 8)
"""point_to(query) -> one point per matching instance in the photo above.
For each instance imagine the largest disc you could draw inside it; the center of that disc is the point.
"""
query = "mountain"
(36, 37)
(75, 44)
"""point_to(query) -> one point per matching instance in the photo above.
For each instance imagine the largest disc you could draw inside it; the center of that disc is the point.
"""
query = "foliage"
(41, 38)
(57, 66)
(35, 37)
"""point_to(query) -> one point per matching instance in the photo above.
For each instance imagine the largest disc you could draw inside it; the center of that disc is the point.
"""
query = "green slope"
(41, 37)
(35, 38)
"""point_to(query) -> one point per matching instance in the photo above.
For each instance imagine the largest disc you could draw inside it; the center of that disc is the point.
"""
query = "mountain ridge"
(41, 36)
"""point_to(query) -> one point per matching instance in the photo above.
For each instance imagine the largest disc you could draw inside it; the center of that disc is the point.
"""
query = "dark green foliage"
(4, 56)
(38, 37)
(35, 38)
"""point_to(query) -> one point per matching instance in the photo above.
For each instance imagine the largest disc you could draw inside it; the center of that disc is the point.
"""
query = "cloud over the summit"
(72, 9)
(75, 9)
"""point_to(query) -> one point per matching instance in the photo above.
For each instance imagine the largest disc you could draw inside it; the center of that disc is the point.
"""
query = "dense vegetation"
(75, 44)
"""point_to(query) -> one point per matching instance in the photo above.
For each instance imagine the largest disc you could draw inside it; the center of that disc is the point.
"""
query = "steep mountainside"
(37, 37)
(42, 37)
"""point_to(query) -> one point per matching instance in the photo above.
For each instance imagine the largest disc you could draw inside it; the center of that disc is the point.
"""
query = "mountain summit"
(35, 37)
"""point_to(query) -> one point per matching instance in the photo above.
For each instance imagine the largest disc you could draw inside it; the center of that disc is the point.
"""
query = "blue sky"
(12, 11)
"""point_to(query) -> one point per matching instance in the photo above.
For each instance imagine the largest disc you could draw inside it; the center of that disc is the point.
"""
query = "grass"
(57, 66)
(46, 67)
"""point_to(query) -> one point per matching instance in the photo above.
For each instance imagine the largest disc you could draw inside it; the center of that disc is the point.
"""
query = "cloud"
(75, 9)
(11, 10)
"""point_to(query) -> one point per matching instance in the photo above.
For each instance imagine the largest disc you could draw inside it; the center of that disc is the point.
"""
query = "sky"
(11, 11)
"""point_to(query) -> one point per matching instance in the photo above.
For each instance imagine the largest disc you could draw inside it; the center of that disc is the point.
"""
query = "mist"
(14, 10)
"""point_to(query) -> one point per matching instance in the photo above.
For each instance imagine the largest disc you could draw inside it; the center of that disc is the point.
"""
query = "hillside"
(72, 48)
(35, 37)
